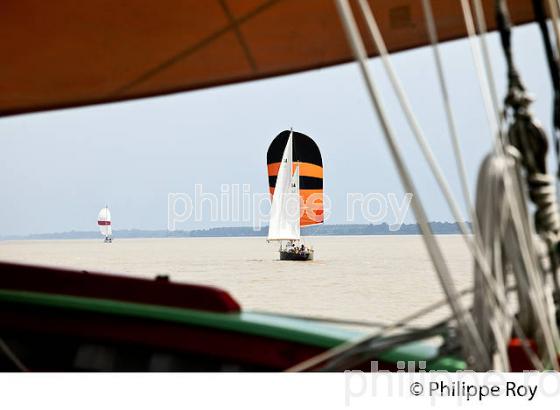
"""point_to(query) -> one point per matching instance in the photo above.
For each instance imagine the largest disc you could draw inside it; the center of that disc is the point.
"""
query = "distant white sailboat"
(104, 222)
(284, 224)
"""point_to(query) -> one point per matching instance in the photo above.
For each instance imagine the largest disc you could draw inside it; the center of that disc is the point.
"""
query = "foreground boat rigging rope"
(474, 349)
(403, 323)
(347, 349)
(489, 96)
(511, 184)
(369, 349)
(512, 191)
(493, 286)
(494, 316)
(530, 139)
(553, 66)
(414, 124)
(531, 142)
(451, 125)
(554, 9)
(488, 89)
(12, 357)
(554, 70)
(486, 83)
(335, 359)
(473, 243)
(481, 24)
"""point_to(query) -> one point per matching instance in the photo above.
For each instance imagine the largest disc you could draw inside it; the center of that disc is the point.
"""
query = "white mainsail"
(104, 222)
(285, 209)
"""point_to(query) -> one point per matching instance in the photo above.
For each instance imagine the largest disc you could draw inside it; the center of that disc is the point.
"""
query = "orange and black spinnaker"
(306, 154)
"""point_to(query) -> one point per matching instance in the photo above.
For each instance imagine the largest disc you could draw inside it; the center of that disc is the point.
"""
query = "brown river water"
(373, 278)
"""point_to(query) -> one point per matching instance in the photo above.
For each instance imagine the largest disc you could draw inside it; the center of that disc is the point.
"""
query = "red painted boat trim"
(156, 292)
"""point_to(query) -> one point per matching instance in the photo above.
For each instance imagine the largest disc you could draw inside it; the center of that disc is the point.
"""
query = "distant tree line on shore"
(438, 228)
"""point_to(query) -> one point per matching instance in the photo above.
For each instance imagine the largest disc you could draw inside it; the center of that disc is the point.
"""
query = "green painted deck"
(260, 324)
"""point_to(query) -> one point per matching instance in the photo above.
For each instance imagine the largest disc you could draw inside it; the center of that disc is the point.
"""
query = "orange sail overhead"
(67, 53)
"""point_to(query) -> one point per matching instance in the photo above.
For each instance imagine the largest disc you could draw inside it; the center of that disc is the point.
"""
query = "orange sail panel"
(306, 154)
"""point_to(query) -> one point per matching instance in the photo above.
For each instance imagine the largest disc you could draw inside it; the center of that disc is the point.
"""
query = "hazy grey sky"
(57, 169)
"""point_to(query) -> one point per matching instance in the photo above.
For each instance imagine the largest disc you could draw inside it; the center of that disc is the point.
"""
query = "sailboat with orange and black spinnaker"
(295, 174)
